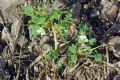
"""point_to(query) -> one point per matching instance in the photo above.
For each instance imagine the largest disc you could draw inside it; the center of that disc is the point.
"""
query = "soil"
(21, 54)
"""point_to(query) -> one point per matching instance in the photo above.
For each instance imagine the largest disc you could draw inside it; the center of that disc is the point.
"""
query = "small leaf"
(98, 57)
(52, 55)
(59, 64)
(38, 20)
(92, 41)
(72, 59)
(55, 15)
(29, 10)
(85, 51)
(72, 48)
(68, 17)
(84, 29)
(88, 52)
(34, 31)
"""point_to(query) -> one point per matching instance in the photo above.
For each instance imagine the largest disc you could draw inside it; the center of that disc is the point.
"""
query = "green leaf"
(98, 57)
(55, 15)
(29, 10)
(73, 48)
(88, 52)
(85, 51)
(41, 8)
(64, 24)
(34, 33)
(68, 17)
(72, 59)
(59, 64)
(52, 55)
(84, 29)
(92, 41)
(38, 20)
(48, 24)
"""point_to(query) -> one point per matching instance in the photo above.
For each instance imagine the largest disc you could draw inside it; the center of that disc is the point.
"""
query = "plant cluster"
(84, 46)
(48, 16)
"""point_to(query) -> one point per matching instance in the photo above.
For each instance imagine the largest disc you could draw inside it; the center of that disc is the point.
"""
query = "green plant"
(73, 57)
(52, 55)
(84, 29)
(75, 51)
(42, 19)
(86, 45)
(92, 41)
(47, 18)
(98, 57)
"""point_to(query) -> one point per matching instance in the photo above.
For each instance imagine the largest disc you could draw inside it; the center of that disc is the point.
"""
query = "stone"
(110, 10)
(8, 8)
(117, 77)
(114, 44)
(4, 4)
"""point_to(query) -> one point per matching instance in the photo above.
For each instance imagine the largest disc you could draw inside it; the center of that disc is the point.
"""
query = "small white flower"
(83, 38)
(41, 31)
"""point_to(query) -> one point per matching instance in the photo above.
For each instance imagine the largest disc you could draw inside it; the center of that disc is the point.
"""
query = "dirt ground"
(21, 53)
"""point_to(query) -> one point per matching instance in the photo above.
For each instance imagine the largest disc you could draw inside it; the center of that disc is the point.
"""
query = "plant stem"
(55, 37)
(97, 47)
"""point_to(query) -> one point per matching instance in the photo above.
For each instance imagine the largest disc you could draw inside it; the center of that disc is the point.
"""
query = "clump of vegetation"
(84, 46)
(47, 19)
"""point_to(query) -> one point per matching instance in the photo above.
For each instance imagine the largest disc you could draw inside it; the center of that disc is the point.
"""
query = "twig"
(73, 68)
(104, 66)
(7, 37)
(107, 58)
(64, 44)
(97, 47)
(55, 37)
(38, 59)
(18, 72)
(27, 75)
(111, 65)
(56, 46)
(54, 68)
(35, 61)
(40, 75)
